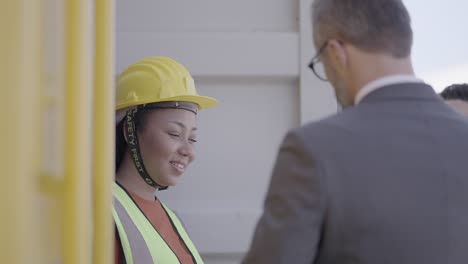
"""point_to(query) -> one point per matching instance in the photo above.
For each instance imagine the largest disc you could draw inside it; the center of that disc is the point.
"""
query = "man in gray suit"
(384, 181)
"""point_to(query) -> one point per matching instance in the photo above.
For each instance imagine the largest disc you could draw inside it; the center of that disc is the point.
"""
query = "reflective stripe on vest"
(141, 242)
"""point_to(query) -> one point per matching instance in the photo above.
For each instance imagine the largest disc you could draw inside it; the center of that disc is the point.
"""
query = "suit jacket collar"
(402, 91)
(382, 82)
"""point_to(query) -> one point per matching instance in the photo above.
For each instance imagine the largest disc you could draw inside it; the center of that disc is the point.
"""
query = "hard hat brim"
(204, 102)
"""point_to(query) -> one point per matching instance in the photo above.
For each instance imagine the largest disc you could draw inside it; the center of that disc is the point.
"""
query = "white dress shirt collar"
(385, 81)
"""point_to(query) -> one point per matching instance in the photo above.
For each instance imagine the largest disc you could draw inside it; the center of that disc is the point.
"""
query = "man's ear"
(337, 52)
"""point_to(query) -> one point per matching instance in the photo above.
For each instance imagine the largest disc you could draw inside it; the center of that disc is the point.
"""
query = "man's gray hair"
(380, 26)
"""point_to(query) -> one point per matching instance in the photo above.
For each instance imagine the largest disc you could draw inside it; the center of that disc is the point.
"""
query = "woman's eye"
(173, 134)
(193, 140)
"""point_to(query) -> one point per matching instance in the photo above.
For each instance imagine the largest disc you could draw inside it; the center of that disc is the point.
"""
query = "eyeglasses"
(316, 66)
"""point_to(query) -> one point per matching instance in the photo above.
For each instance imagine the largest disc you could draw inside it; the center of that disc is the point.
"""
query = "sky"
(440, 47)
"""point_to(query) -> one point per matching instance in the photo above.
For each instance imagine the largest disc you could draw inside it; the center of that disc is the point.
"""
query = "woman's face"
(167, 144)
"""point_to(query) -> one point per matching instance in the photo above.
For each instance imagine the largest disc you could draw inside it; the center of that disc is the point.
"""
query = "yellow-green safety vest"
(141, 242)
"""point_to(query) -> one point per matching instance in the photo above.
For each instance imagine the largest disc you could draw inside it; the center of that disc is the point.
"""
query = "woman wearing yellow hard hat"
(156, 110)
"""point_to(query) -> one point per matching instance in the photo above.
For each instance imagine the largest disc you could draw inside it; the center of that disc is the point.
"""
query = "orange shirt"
(156, 214)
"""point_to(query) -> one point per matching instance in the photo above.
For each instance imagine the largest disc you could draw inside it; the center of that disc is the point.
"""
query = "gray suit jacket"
(384, 182)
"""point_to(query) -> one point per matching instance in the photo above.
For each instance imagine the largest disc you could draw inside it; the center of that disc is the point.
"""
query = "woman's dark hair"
(120, 143)
(456, 92)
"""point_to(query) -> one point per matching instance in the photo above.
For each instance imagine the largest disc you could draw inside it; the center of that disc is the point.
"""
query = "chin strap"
(134, 147)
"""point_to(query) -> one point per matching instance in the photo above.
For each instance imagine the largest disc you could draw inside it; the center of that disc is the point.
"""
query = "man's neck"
(377, 66)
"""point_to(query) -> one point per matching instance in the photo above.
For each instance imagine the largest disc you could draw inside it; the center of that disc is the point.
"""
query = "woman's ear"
(125, 131)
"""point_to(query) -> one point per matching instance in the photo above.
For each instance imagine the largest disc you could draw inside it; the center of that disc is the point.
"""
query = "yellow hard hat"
(158, 79)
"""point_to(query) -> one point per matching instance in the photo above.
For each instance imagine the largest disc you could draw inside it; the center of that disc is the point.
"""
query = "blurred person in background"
(456, 95)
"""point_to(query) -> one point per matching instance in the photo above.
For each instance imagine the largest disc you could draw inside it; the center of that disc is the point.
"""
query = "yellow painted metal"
(78, 134)
(49, 201)
(104, 127)
(41, 208)
(19, 105)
